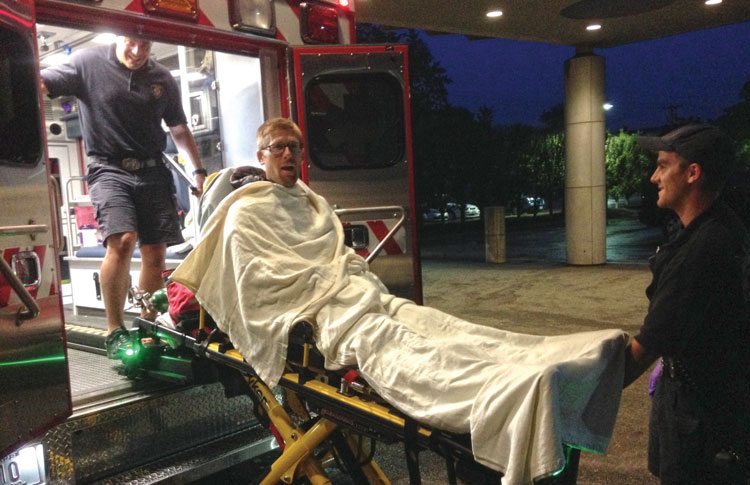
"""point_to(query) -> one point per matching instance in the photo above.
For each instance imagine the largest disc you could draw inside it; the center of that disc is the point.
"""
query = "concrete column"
(494, 234)
(585, 191)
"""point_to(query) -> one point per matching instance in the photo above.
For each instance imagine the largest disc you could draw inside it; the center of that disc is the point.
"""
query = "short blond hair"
(264, 131)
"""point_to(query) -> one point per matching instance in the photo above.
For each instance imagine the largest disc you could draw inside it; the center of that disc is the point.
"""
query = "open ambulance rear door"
(352, 104)
(35, 390)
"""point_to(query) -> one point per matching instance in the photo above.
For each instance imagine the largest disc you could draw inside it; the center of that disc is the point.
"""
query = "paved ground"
(537, 293)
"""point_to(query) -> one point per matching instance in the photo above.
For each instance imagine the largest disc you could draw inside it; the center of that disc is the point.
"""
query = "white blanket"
(271, 255)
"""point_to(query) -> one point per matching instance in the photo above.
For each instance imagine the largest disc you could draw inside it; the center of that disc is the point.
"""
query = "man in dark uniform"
(123, 96)
(698, 317)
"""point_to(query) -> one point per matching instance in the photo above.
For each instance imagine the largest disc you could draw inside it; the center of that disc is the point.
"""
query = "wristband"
(200, 171)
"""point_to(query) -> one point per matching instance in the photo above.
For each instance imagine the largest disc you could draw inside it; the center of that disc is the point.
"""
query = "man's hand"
(200, 179)
(637, 360)
(185, 143)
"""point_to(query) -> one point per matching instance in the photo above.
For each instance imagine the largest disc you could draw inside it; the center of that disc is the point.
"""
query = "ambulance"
(66, 414)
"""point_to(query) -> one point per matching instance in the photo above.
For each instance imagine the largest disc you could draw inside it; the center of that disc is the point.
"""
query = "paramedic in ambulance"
(698, 317)
(123, 96)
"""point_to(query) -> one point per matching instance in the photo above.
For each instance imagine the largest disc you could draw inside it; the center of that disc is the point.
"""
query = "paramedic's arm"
(637, 360)
(185, 143)
(45, 91)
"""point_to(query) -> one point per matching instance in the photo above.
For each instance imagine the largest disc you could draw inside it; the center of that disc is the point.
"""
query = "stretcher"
(318, 417)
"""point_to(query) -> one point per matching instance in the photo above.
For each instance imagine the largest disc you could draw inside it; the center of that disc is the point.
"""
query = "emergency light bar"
(320, 24)
(183, 9)
(253, 16)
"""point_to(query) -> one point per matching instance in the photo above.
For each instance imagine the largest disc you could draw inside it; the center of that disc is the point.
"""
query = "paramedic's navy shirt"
(698, 309)
(121, 110)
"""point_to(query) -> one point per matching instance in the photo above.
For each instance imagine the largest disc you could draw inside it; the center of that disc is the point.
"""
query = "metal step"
(138, 424)
(145, 430)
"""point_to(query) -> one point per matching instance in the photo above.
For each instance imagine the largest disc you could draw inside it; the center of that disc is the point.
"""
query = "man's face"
(282, 158)
(132, 53)
(671, 176)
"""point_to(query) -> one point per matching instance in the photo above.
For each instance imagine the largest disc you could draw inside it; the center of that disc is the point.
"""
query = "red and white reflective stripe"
(377, 232)
(287, 22)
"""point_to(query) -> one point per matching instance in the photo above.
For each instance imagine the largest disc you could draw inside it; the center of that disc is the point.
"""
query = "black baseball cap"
(703, 144)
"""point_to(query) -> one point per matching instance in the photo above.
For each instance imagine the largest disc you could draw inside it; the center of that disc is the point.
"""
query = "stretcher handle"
(398, 212)
(180, 171)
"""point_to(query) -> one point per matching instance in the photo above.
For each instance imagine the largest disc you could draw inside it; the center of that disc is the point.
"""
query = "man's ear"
(259, 154)
(694, 172)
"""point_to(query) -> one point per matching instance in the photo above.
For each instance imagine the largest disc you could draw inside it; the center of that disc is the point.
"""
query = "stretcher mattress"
(270, 255)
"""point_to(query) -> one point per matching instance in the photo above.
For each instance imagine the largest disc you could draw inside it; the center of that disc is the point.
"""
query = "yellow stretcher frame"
(360, 414)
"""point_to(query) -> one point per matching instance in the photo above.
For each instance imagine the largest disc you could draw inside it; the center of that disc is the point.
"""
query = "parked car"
(530, 203)
(430, 214)
(454, 211)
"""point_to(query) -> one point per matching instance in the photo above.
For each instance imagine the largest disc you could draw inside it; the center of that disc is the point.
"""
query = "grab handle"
(32, 309)
(398, 212)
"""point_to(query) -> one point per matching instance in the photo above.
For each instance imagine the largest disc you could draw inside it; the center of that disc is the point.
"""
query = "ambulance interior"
(355, 132)
(222, 122)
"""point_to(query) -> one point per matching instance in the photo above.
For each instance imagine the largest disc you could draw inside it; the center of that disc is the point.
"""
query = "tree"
(628, 166)
(736, 123)
(436, 148)
(549, 166)
(515, 156)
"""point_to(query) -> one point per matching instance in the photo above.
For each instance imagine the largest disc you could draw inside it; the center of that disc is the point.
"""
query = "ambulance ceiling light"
(252, 16)
(320, 24)
(105, 38)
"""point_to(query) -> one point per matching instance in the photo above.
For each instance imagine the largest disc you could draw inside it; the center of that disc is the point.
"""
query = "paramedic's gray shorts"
(142, 201)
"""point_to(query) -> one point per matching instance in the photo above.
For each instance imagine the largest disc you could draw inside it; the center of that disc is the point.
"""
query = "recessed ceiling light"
(495, 13)
(593, 27)
(713, 2)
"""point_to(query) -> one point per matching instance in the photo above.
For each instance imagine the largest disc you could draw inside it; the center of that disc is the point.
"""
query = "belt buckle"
(130, 164)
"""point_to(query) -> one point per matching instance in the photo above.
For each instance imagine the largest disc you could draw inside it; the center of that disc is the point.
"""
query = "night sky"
(702, 72)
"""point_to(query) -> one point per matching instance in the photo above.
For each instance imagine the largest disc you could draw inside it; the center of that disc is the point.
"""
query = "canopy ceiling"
(556, 21)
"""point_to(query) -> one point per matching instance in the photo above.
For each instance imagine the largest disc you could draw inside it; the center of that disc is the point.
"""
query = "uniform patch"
(157, 90)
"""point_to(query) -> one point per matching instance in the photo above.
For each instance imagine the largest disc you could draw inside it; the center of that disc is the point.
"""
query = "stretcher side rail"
(363, 414)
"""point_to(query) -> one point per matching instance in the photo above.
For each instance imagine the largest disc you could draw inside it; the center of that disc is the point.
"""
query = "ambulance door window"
(355, 121)
(20, 142)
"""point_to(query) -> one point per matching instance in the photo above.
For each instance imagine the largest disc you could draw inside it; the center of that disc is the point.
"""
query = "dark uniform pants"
(684, 439)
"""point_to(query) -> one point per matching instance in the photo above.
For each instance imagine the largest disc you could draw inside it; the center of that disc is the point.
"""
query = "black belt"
(128, 163)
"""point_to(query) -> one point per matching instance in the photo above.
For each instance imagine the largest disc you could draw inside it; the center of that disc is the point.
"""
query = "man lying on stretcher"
(273, 252)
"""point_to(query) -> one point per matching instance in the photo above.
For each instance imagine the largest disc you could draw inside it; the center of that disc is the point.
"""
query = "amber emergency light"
(182, 9)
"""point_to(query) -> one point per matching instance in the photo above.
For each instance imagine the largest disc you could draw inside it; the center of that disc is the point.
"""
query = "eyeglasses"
(278, 148)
